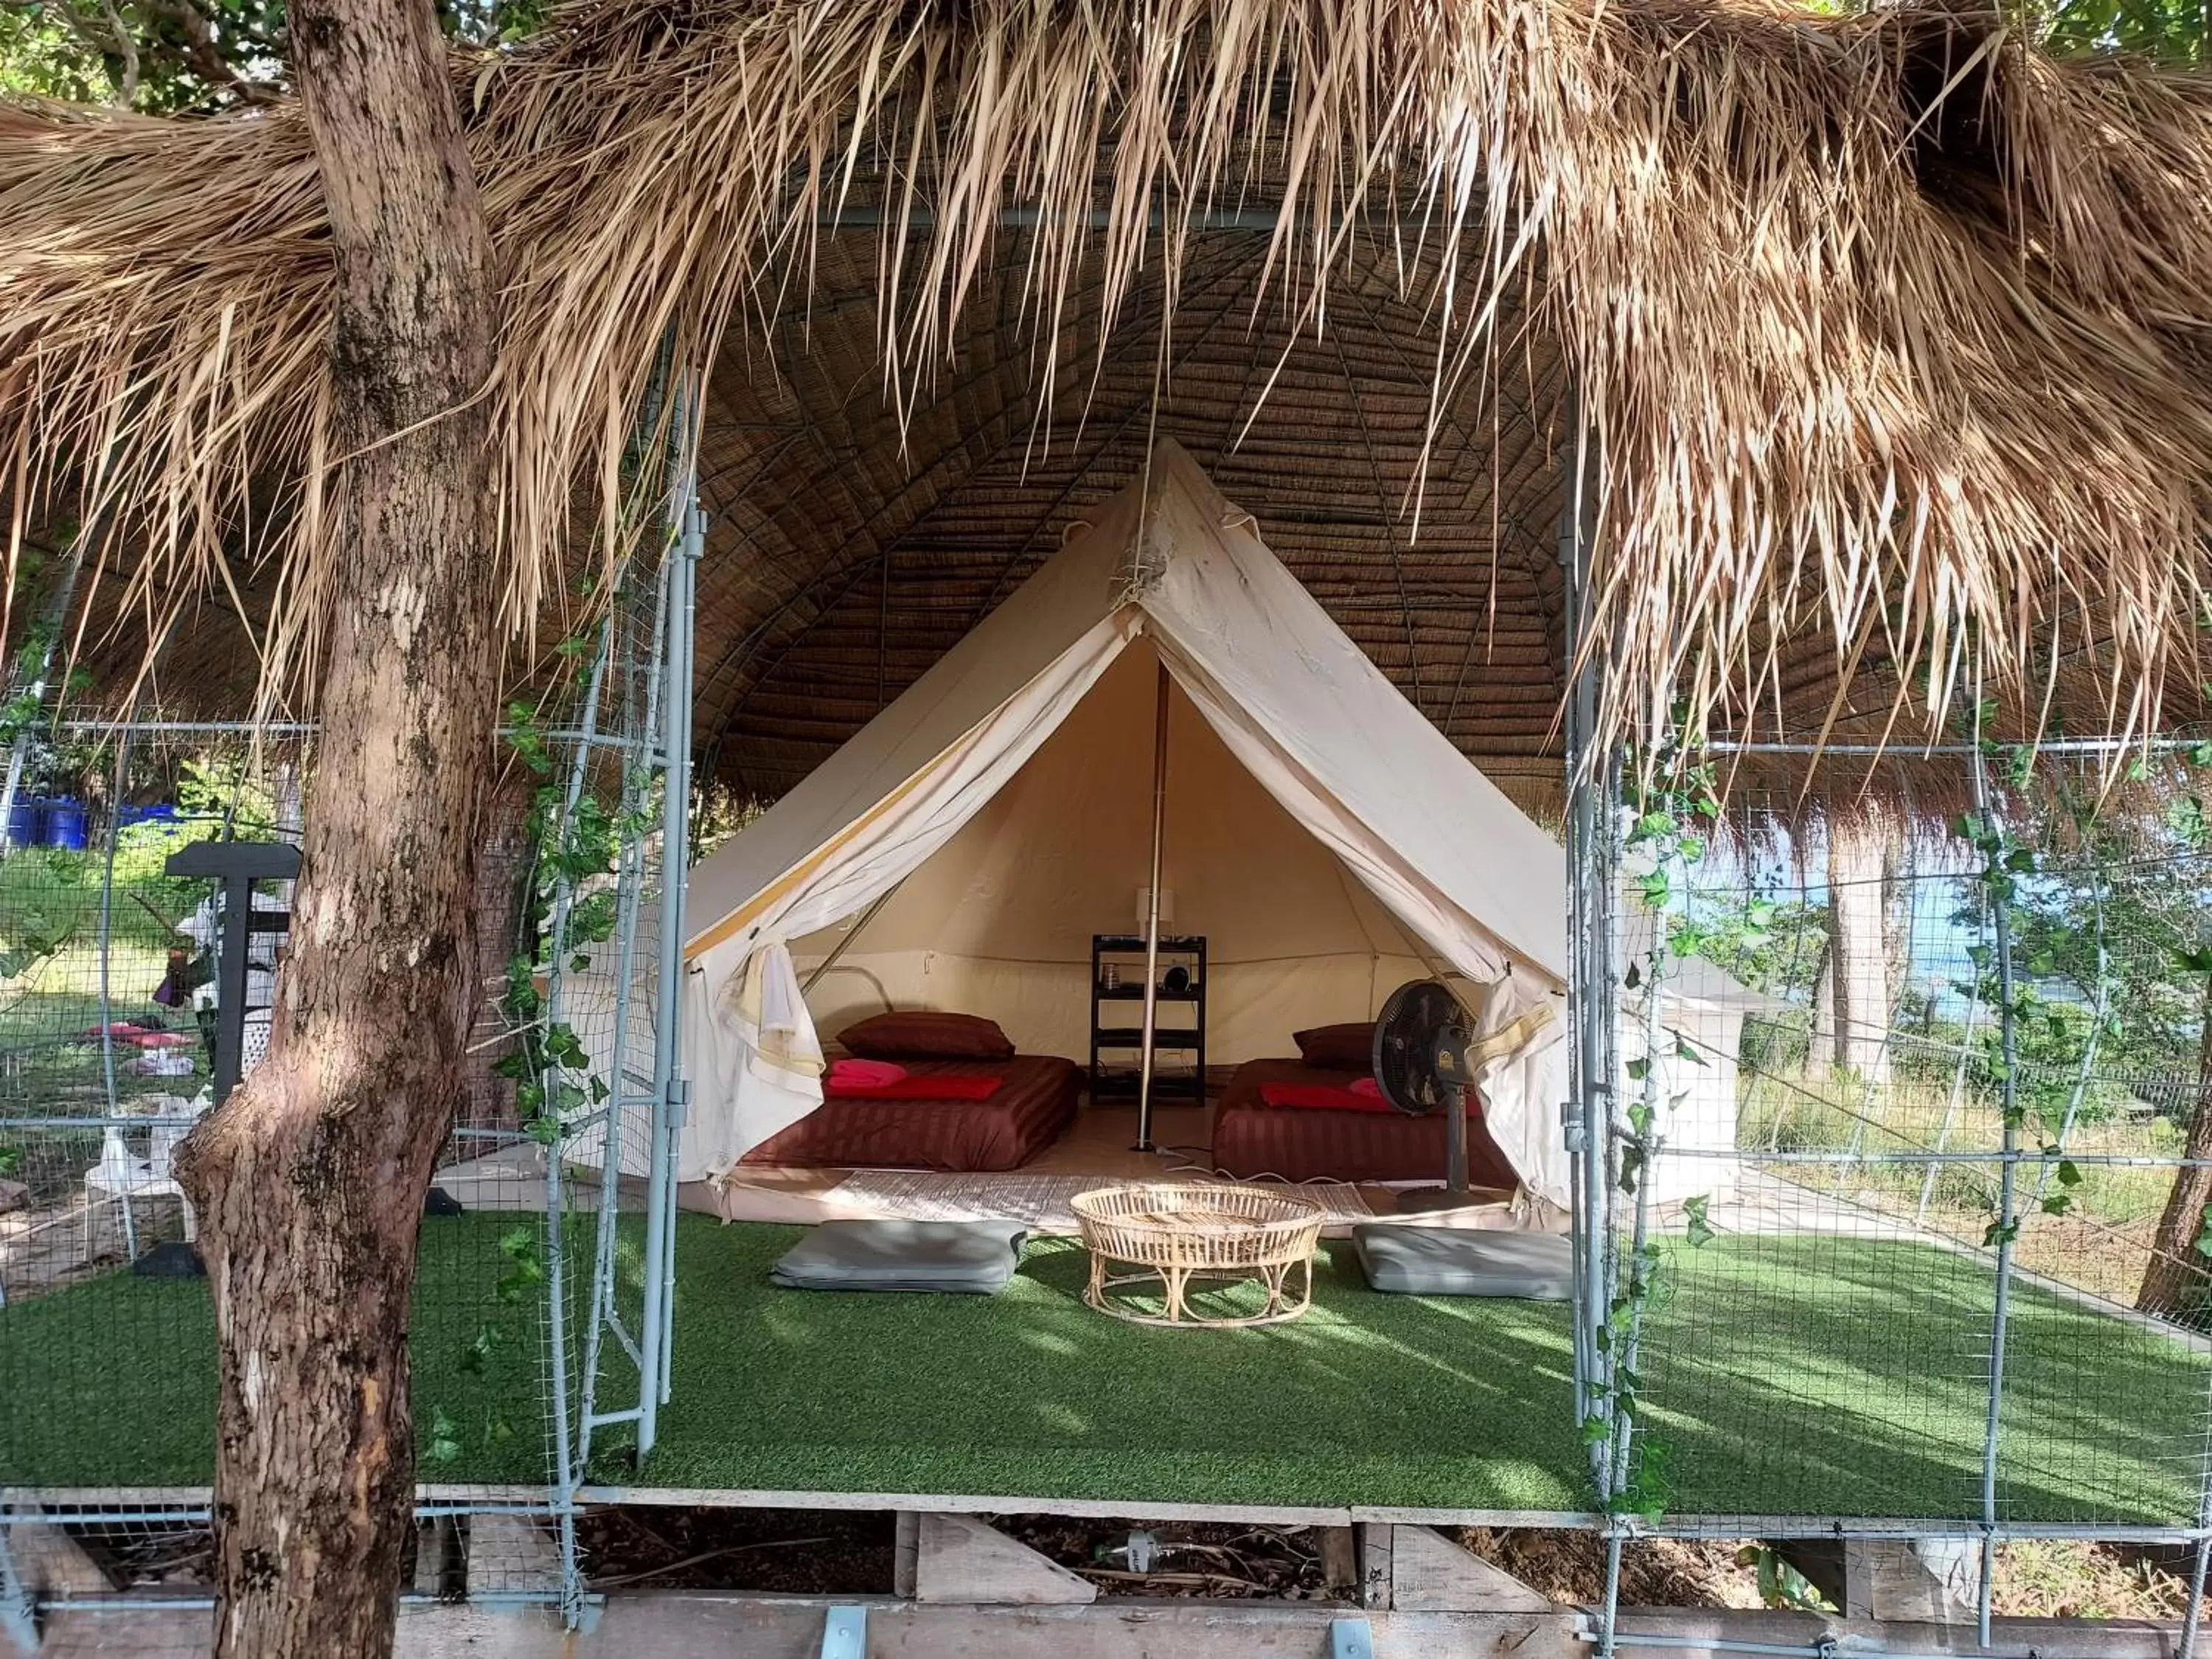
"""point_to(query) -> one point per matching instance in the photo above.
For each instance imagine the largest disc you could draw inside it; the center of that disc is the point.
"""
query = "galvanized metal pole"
(1152, 912)
(2007, 1222)
(612, 1113)
(670, 1092)
(1593, 832)
(567, 1470)
(680, 1086)
(1589, 828)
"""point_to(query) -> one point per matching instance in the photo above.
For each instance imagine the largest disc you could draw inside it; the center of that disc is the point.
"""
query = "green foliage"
(1780, 1584)
(171, 56)
(2127, 924)
(2178, 31)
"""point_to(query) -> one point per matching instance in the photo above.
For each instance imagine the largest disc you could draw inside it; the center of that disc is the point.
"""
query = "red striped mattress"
(1252, 1139)
(1033, 1107)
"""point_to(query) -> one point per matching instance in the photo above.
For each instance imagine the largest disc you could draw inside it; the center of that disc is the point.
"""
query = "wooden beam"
(711, 1624)
(1340, 1557)
(51, 1562)
(961, 1560)
(1431, 1573)
(511, 1555)
(1377, 1568)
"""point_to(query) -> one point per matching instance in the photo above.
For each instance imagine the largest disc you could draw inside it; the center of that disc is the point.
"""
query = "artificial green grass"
(1782, 1375)
(111, 1383)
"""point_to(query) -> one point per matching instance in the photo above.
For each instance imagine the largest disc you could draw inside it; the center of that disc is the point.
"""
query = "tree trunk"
(503, 868)
(2176, 1275)
(1856, 955)
(1820, 1039)
(310, 1180)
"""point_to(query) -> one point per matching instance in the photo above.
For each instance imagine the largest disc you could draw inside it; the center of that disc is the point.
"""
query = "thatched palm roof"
(1893, 334)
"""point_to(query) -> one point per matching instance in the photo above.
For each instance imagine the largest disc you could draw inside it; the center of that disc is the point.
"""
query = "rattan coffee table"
(1206, 1230)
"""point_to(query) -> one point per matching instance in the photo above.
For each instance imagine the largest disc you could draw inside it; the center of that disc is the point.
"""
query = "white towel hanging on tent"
(767, 1059)
(1519, 1061)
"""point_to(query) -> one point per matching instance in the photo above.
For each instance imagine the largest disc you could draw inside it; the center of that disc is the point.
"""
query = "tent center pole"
(1153, 916)
(837, 951)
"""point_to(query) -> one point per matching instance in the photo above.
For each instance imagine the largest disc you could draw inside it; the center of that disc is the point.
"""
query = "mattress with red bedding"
(1252, 1139)
(1031, 1107)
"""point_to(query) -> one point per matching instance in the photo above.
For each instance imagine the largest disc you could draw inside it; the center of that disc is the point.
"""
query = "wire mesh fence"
(1948, 1268)
(532, 1345)
(1919, 1207)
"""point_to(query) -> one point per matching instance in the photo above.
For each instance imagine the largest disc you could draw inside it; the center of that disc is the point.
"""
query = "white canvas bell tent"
(1328, 841)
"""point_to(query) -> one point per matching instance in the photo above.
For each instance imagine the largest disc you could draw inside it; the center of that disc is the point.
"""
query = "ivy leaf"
(476, 1357)
(1694, 1211)
(2000, 1233)
(1638, 1069)
(445, 1443)
(2203, 1244)
(2069, 1173)
(2057, 1204)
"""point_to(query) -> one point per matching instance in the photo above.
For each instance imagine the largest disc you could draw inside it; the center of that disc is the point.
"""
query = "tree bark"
(1856, 955)
(310, 1180)
(1820, 1036)
(2176, 1276)
(503, 871)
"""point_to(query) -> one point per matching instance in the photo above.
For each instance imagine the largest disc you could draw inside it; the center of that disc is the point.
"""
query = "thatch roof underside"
(840, 567)
(1893, 335)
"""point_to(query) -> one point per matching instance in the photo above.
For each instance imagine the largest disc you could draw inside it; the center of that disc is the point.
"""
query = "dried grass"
(1891, 330)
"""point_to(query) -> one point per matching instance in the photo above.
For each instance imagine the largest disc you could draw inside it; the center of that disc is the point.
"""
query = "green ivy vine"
(576, 840)
(1673, 803)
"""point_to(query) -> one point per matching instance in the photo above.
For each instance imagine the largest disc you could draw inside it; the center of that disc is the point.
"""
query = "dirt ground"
(1186, 1559)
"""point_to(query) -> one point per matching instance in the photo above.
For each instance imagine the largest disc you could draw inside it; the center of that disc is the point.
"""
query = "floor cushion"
(976, 1257)
(1455, 1261)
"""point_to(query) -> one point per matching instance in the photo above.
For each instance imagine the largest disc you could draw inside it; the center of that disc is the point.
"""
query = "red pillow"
(924, 1034)
(1346, 1048)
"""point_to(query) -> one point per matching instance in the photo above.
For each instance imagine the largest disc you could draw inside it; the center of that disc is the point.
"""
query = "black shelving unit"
(1117, 1018)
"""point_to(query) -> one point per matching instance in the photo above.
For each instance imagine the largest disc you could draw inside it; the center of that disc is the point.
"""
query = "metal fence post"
(1593, 831)
(1997, 881)
(656, 1337)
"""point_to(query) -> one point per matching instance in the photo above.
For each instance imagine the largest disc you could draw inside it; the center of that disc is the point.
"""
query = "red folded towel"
(921, 1088)
(140, 1036)
(1324, 1096)
(1368, 1086)
(865, 1073)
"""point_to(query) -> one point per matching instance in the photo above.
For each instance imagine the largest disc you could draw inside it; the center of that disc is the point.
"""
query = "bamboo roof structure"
(1890, 336)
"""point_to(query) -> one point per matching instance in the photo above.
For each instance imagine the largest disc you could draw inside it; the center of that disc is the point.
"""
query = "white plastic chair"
(120, 1177)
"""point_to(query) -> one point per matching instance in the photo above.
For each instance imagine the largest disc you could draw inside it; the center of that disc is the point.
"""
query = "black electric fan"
(1421, 1041)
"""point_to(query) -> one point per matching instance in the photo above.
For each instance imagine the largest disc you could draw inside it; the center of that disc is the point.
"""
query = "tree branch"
(126, 92)
(202, 54)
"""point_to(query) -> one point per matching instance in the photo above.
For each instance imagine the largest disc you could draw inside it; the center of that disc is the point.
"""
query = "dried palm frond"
(1887, 327)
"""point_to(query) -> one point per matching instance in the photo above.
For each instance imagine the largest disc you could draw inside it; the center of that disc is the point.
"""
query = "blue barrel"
(66, 824)
(27, 822)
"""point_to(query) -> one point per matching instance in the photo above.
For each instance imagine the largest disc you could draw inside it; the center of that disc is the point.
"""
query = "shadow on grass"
(1827, 1376)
